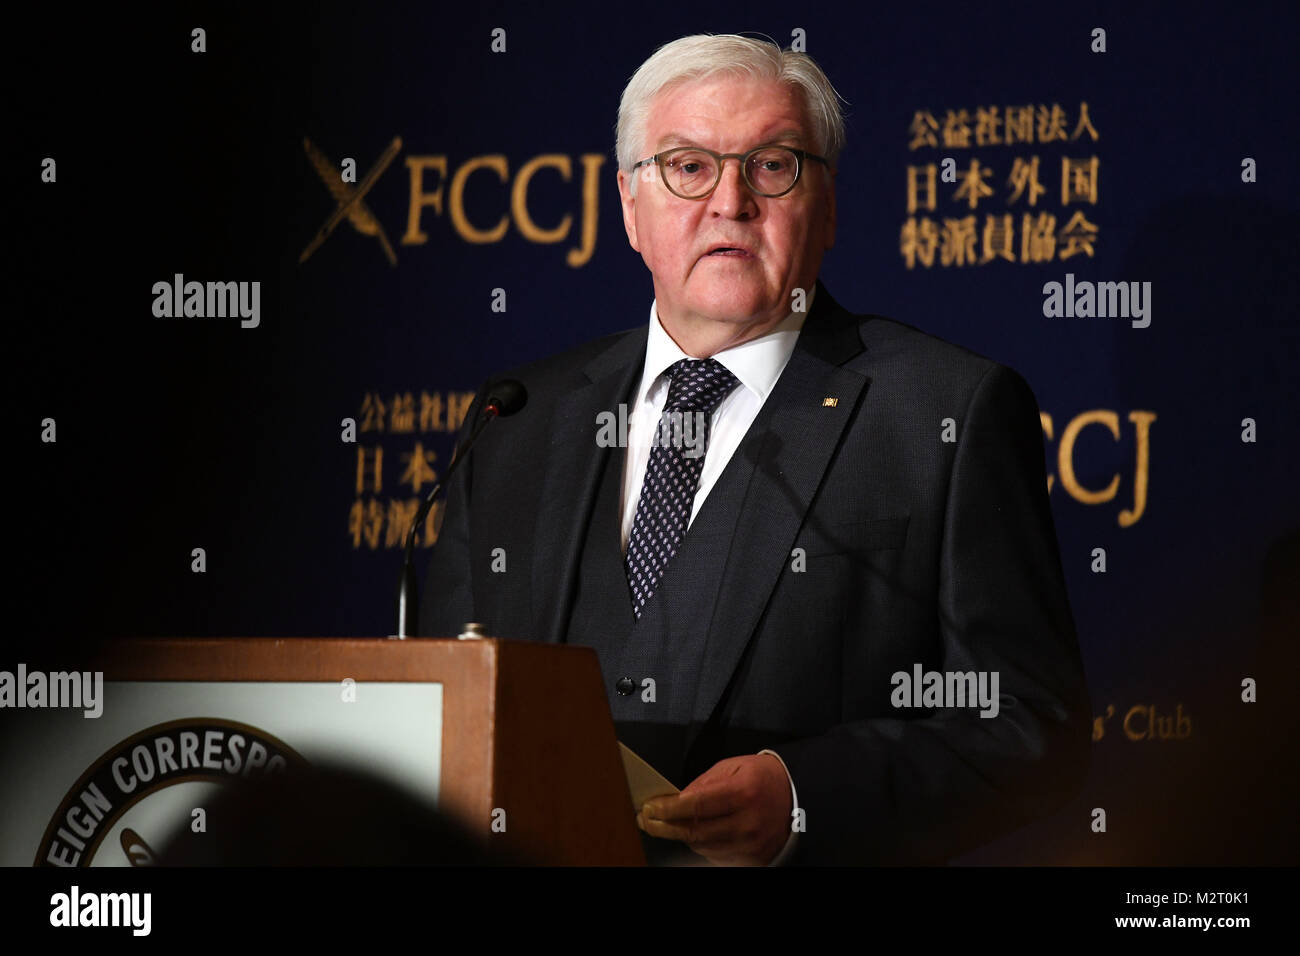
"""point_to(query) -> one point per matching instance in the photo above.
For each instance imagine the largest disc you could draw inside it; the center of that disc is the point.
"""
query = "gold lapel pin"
(829, 402)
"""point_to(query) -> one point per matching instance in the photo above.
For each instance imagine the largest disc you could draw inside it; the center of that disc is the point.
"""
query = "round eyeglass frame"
(800, 155)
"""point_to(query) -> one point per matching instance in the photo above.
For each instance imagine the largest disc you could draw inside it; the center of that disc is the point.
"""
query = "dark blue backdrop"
(175, 434)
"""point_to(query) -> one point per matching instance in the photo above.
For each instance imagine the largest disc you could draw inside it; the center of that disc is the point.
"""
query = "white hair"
(705, 55)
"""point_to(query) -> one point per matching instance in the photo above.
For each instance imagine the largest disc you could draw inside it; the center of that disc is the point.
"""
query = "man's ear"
(628, 202)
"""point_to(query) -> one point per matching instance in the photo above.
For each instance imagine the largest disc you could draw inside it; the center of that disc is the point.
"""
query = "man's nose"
(733, 198)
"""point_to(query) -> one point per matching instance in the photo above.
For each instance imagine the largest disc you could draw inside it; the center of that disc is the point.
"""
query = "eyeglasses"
(693, 173)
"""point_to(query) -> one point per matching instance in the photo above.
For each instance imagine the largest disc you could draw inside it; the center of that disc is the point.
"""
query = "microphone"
(503, 398)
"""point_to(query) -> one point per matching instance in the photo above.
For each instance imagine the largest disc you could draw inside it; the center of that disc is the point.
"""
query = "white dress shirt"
(757, 364)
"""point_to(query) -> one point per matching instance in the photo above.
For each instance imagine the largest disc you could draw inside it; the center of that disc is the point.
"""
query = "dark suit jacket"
(918, 551)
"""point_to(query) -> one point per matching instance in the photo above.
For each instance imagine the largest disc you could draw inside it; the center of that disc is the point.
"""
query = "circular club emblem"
(142, 790)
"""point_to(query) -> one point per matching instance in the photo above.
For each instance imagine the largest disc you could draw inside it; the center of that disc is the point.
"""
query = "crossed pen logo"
(350, 199)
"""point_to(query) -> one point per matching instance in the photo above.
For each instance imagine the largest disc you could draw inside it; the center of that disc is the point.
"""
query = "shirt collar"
(757, 364)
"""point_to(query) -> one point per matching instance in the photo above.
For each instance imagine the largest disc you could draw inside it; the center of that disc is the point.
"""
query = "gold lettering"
(1142, 423)
(519, 199)
(1065, 456)
(1046, 419)
(419, 198)
(591, 163)
(495, 162)
(376, 464)
(1129, 732)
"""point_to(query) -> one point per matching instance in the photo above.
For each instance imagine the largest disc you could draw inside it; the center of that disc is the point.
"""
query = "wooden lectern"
(525, 726)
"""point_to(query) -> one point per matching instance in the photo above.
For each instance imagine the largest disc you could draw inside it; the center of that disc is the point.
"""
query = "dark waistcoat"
(668, 644)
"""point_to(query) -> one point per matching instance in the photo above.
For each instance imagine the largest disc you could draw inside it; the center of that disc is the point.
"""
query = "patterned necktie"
(673, 472)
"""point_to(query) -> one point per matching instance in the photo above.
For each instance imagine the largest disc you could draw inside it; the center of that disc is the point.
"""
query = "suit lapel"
(790, 459)
(572, 477)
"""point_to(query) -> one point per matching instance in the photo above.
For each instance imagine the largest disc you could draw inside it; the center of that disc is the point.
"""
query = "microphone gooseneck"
(504, 398)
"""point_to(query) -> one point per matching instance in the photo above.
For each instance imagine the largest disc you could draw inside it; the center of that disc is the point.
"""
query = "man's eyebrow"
(681, 139)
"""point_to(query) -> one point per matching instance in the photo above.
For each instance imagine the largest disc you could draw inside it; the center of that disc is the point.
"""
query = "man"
(869, 506)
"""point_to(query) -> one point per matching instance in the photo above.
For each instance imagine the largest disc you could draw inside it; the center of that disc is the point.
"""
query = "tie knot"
(698, 386)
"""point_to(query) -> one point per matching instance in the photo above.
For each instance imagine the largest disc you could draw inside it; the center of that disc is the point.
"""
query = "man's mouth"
(730, 251)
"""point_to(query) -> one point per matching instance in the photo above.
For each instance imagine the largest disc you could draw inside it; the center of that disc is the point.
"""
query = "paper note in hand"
(643, 780)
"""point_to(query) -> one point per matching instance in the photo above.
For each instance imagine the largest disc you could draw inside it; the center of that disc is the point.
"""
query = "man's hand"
(736, 813)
